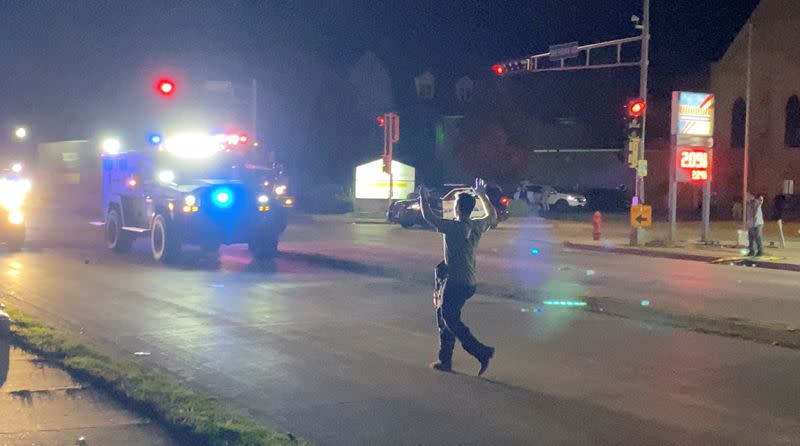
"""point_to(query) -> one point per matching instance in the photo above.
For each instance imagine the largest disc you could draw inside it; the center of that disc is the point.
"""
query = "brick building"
(775, 114)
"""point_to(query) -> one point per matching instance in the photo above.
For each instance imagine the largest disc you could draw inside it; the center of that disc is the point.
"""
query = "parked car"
(551, 198)
(407, 212)
(500, 203)
(608, 200)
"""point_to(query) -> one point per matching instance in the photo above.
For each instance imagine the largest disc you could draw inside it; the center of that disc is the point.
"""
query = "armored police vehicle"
(191, 189)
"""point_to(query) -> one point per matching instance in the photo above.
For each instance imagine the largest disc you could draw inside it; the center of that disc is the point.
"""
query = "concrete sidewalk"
(42, 405)
(615, 238)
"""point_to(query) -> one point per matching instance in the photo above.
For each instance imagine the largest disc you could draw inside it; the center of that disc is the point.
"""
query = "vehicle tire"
(118, 240)
(264, 248)
(165, 244)
(406, 224)
(561, 206)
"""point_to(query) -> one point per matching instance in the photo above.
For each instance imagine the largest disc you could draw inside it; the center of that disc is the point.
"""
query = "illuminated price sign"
(694, 164)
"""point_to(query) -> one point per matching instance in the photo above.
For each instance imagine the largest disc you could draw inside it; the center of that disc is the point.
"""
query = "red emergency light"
(166, 87)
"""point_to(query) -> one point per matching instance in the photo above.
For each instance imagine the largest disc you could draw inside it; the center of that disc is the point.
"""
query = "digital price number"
(694, 165)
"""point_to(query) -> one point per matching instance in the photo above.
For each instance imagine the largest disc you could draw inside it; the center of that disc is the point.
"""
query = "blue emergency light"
(222, 197)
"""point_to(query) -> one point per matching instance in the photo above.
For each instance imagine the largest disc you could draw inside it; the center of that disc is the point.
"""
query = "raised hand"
(480, 185)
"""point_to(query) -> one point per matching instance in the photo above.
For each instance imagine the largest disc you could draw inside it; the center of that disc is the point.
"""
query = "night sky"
(69, 67)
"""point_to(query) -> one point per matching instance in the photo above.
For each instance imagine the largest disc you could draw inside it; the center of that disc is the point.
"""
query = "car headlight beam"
(16, 217)
(166, 176)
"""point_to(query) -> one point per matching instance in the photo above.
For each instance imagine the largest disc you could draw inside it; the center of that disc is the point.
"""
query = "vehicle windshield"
(220, 165)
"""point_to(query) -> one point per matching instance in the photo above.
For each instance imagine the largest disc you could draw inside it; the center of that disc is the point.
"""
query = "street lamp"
(21, 133)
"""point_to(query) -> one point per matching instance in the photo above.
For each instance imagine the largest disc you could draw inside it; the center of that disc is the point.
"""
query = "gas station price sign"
(693, 164)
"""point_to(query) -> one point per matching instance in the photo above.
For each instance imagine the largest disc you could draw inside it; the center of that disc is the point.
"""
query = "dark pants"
(754, 236)
(448, 317)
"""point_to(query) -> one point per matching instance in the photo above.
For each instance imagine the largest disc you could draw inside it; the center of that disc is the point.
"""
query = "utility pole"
(747, 108)
(391, 135)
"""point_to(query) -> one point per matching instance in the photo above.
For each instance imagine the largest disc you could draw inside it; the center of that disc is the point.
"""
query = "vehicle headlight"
(413, 207)
(280, 189)
(16, 217)
(13, 193)
(571, 198)
(166, 176)
(190, 200)
(263, 199)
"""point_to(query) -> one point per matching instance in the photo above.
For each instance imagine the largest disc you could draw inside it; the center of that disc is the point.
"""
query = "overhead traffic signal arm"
(542, 62)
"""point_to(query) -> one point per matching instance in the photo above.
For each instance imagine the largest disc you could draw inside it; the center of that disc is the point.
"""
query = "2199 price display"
(694, 165)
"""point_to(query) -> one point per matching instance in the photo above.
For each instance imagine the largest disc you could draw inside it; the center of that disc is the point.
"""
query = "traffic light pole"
(637, 234)
(643, 91)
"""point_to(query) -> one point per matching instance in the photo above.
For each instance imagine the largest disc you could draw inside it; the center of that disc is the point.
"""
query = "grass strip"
(192, 416)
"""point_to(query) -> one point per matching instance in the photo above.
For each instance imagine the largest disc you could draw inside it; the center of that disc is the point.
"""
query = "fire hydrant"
(597, 225)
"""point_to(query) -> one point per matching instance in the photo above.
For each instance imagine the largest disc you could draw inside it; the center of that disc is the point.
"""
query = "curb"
(737, 328)
(676, 256)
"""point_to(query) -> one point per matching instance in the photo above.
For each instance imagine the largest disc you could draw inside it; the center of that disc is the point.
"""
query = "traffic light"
(381, 121)
(165, 87)
(499, 70)
(633, 129)
(636, 107)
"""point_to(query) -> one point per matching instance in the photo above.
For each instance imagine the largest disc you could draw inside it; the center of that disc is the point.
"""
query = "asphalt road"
(531, 258)
(341, 359)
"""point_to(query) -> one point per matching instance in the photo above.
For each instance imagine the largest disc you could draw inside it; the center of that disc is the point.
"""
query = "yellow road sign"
(641, 216)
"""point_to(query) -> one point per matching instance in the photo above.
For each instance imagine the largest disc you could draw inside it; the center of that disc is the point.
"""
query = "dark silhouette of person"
(461, 237)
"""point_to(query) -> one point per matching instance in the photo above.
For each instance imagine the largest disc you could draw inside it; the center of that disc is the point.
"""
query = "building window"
(792, 136)
(464, 89)
(425, 85)
(738, 118)
(425, 91)
(464, 94)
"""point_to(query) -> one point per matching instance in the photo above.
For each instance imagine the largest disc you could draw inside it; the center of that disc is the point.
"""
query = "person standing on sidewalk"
(461, 237)
(755, 225)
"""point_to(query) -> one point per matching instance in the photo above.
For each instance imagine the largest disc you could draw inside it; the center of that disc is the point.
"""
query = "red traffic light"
(381, 121)
(166, 87)
(499, 70)
(636, 107)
